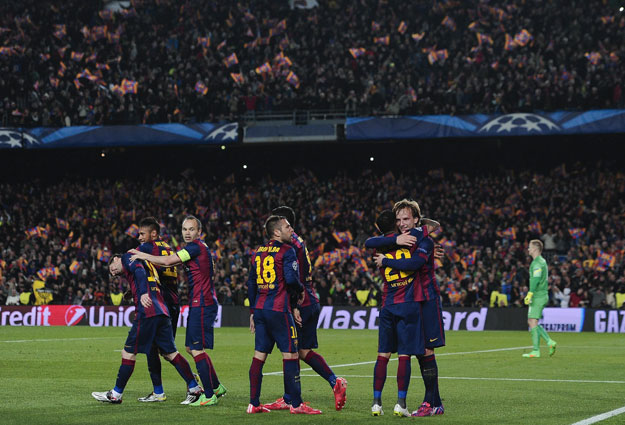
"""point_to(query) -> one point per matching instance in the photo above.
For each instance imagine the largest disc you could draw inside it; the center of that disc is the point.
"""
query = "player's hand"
(297, 317)
(252, 327)
(378, 259)
(146, 301)
(439, 252)
(405, 239)
(136, 255)
(528, 298)
(301, 297)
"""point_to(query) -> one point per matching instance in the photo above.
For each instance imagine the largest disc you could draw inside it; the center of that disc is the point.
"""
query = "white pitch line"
(394, 359)
(583, 381)
(601, 417)
(58, 339)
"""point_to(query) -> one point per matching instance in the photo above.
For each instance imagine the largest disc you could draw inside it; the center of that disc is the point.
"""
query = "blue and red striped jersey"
(199, 267)
(274, 267)
(426, 278)
(168, 276)
(420, 264)
(143, 278)
(305, 270)
(400, 284)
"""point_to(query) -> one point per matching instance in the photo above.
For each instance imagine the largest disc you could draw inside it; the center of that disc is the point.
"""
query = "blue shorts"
(432, 319)
(200, 324)
(307, 333)
(147, 331)
(274, 327)
(400, 330)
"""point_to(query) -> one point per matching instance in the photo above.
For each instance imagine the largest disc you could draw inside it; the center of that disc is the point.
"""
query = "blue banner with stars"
(515, 124)
(121, 135)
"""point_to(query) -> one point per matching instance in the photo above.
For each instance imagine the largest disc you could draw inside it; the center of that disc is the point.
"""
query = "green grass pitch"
(47, 376)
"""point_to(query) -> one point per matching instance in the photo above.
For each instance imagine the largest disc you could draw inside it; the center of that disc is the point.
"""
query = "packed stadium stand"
(154, 61)
(82, 63)
(59, 226)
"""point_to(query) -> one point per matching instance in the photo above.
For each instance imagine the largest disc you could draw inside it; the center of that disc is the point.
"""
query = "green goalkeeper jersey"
(538, 277)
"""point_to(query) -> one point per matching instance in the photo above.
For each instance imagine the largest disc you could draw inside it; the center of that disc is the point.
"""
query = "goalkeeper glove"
(528, 298)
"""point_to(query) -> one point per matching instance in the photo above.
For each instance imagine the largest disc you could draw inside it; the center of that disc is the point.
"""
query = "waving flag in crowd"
(382, 40)
(231, 60)
(200, 87)
(449, 23)
(357, 52)
(132, 231)
(577, 232)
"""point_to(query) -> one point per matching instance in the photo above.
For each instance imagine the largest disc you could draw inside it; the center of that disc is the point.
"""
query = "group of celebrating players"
(284, 311)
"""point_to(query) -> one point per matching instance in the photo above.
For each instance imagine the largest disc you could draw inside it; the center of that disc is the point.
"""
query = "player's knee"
(128, 356)
(387, 355)
(303, 353)
(290, 356)
(189, 350)
(170, 356)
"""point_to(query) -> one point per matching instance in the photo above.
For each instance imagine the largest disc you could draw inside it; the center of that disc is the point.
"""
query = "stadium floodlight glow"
(102, 154)
(245, 166)
(223, 147)
(371, 159)
(620, 9)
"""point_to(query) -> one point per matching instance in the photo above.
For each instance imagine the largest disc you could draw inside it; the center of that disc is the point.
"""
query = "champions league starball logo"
(518, 123)
(11, 138)
(223, 133)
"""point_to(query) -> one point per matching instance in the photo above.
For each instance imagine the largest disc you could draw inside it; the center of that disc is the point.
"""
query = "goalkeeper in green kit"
(537, 298)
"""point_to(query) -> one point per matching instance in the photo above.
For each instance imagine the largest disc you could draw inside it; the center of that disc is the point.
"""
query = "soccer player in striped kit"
(150, 326)
(198, 265)
(426, 293)
(151, 243)
(309, 310)
(273, 288)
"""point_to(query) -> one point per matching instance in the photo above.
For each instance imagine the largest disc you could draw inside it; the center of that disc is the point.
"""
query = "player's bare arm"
(431, 225)
(164, 261)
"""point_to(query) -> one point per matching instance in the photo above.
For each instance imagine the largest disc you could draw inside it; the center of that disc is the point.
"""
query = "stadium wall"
(471, 319)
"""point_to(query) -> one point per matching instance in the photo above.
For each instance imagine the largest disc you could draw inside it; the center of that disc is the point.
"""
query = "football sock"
(256, 380)
(379, 377)
(203, 369)
(125, 371)
(403, 379)
(154, 367)
(292, 385)
(184, 369)
(429, 372)
(543, 333)
(534, 332)
(214, 378)
(320, 366)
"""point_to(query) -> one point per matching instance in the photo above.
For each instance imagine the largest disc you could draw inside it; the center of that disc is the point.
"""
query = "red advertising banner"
(77, 315)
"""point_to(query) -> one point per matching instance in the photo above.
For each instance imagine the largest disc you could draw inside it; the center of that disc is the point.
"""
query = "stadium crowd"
(57, 236)
(80, 63)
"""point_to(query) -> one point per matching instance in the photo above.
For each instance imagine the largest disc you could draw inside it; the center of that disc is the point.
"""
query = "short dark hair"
(151, 223)
(197, 220)
(386, 221)
(272, 223)
(114, 256)
(286, 212)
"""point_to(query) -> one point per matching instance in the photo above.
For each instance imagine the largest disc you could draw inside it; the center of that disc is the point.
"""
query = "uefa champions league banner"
(515, 124)
(120, 135)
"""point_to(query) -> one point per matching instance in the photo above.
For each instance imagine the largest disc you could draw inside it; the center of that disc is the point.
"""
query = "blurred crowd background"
(154, 61)
(59, 234)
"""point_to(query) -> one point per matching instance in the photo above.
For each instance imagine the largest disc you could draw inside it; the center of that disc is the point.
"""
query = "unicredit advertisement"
(75, 315)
